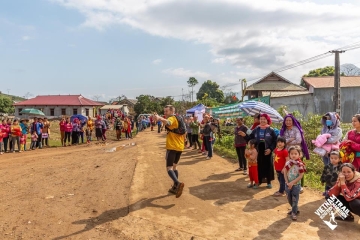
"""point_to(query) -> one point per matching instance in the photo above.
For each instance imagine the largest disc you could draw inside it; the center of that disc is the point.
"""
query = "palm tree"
(192, 82)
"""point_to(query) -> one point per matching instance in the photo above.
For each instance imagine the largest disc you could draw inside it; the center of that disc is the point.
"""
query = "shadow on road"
(222, 176)
(224, 192)
(114, 214)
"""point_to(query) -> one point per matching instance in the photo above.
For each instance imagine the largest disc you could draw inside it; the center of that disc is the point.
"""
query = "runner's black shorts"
(172, 157)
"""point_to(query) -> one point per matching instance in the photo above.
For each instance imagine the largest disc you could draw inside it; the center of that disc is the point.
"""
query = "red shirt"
(280, 158)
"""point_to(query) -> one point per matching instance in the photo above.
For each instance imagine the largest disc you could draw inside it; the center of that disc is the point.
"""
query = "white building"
(60, 105)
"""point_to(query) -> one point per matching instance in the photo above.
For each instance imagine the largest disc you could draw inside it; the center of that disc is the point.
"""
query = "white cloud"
(181, 72)
(157, 61)
(25, 38)
(259, 35)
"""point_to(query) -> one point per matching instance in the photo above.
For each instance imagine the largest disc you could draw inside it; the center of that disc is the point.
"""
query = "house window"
(87, 112)
(63, 111)
(20, 109)
(52, 112)
(75, 111)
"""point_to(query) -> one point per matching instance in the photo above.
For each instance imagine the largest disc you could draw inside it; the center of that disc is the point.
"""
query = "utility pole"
(243, 88)
(182, 94)
(8, 90)
(337, 87)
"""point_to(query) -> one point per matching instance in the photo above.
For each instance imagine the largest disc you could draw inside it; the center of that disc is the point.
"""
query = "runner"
(174, 147)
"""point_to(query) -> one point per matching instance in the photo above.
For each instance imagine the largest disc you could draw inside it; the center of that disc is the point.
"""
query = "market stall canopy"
(198, 108)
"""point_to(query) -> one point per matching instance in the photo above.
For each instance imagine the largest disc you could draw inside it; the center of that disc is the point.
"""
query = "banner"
(232, 110)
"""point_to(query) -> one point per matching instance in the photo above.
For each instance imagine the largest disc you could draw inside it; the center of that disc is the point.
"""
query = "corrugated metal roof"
(286, 85)
(284, 94)
(59, 100)
(328, 81)
(274, 86)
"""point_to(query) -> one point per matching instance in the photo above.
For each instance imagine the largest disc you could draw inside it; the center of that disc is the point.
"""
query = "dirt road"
(85, 193)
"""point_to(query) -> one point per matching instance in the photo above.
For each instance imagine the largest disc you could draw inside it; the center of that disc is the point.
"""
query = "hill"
(14, 98)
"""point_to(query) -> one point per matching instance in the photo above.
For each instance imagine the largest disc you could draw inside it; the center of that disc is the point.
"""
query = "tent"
(198, 108)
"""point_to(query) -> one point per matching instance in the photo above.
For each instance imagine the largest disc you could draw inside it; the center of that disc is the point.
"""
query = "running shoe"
(180, 189)
(172, 189)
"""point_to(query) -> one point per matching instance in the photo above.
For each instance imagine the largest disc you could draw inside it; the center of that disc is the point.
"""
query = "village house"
(60, 105)
(282, 92)
(322, 90)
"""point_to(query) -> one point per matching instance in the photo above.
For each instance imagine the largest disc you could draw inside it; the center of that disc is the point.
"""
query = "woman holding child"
(266, 143)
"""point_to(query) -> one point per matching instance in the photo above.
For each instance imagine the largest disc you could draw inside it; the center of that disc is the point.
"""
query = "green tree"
(319, 72)
(192, 82)
(213, 91)
(146, 104)
(6, 105)
(230, 98)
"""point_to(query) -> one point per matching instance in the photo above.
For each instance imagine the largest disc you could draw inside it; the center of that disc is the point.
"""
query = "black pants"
(240, 151)
(353, 206)
(75, 138)
(190, 139)
(195, 140)
(159, 128)
(67, 137)
(39, 141)
(6, 141)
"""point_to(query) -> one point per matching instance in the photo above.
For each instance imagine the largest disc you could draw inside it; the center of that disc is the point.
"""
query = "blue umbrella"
(78, 116)
(254, 107)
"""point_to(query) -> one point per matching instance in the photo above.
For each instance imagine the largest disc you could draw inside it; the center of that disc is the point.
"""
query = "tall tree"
(212, 89)
(6, 105)
(146, 104)
(319, 72)
(192, 82)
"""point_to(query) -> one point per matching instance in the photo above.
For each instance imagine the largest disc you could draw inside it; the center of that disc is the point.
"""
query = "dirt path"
(85, 193)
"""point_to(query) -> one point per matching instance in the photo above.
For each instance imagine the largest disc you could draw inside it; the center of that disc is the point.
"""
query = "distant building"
(322, 90)
(60, 105)
(104, 109)
(282, 92)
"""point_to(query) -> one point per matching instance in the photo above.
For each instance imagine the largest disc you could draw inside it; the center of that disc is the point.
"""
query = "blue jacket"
(36, 127)
(24, 128)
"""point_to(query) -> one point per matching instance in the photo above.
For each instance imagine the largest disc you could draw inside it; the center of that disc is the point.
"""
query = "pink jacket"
(5, 129)
(355, 146)
(62, 126)
(68, 127)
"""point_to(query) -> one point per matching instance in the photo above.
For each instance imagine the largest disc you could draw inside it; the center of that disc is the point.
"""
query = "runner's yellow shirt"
(174, 141)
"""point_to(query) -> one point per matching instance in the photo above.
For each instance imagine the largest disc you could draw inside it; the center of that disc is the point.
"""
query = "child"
(34, 138)
(280, 154)
(330, 172)
(251, 156)
(22, 142)
(294, 170)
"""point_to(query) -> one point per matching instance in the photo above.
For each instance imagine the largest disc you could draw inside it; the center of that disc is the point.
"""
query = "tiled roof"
(59, 100)
(328, 81)
(284, 94)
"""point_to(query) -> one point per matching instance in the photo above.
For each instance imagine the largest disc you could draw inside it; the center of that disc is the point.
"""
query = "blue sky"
(131, 47)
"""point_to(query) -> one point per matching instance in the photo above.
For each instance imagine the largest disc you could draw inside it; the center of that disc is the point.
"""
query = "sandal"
(250, 185)
(278, 194)
(293, 217)
(297, 213)
(239, 169)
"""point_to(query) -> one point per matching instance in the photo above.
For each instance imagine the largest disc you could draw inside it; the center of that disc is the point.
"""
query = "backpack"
(181, 126)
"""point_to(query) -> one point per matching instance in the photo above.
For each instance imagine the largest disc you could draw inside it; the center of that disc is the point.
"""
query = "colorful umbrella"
(254, 107)
(32, 111)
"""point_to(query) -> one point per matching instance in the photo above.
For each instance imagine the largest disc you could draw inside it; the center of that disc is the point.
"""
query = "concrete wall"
(58, 110)
(350, 102)
(302, 103)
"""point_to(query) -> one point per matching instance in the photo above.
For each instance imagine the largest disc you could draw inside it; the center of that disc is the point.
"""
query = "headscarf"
(297, 124)
(98, 117)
